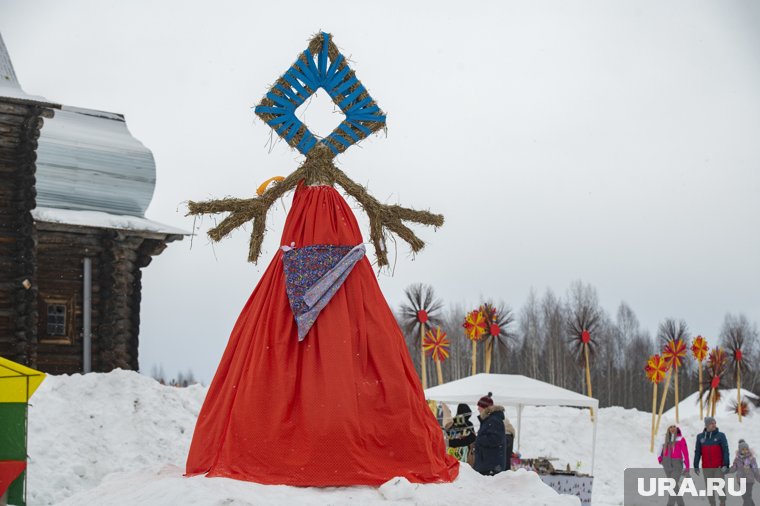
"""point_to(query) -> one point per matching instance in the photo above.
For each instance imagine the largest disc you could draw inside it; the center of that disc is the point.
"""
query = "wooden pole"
(676, 392)
(440, 372)
(489, 352)
(654, 412)
(662, 401)
(739, 392)
(423, 368)
(701, 415)
(474, 356)
(588, 377)
(712, 402)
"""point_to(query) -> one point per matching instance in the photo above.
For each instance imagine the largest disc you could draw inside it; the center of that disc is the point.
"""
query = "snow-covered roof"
(508, 390)
(98, 219)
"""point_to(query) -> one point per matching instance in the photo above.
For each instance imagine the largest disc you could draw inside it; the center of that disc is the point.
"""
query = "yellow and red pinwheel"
(675, 352)
(699, 348)
(656, 368)
(436, 344)
(474, 325)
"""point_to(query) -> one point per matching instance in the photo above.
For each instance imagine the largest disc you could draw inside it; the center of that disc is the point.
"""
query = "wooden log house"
(74, 187)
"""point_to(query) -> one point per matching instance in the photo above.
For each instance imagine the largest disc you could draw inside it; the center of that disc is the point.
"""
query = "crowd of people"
(711, 459)
(489, 450)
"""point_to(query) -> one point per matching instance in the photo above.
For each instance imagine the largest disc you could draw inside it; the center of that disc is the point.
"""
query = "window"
(56, 320)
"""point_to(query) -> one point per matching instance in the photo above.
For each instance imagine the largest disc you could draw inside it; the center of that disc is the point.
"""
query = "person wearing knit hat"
(745, 466)
(486, 401)
(712, 450)
(491, 441)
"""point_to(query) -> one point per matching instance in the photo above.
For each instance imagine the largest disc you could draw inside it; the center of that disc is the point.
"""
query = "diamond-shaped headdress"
(320, 66)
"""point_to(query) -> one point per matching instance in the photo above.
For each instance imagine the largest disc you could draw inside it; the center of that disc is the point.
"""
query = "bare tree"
(530, 332)
(158, 374)
(558, 361)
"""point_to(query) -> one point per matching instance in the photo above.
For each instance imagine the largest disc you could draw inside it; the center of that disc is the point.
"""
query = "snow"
(122, 439)
(100, 219)
(165, 485)
(19, 94)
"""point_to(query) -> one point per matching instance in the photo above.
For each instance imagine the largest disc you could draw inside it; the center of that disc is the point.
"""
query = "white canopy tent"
(513, 390)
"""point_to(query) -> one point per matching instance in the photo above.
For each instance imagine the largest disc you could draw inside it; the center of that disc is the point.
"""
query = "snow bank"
(84, 428)
(165, 485)
(122, 439)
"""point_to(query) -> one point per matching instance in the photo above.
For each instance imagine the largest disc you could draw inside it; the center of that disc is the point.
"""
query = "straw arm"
(422, 217)
(245, 210)
(318, 168)
(382, 216)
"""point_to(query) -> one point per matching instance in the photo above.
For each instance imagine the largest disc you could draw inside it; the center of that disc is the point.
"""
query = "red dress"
(343, 407)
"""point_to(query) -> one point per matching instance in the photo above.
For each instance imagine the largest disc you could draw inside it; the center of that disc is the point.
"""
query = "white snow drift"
(122, 439)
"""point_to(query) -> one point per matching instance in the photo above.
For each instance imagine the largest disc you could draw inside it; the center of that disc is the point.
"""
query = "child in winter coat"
(674, 458)
(745, 466)
(462, 436)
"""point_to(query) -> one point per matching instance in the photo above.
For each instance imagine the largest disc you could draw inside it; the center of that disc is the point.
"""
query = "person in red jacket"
(712, 449)
(674, 458)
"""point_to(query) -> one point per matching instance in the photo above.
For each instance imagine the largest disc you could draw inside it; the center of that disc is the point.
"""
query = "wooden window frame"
(68, 303)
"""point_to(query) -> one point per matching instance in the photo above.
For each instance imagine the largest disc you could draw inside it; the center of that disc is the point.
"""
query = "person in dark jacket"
(712, 449)
(491, 441)
(462, 435)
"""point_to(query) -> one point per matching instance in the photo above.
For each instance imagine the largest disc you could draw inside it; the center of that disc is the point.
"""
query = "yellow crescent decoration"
(263, 187)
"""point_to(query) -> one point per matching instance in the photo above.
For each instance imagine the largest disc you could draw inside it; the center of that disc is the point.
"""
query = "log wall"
(117, 259)
(20, 125)
(40, 262)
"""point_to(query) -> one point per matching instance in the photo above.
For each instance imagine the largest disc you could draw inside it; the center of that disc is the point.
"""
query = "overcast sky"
(613, 142)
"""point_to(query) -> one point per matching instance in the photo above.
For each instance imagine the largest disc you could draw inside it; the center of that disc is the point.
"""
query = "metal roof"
(87, 163)
(9, 85)
(88, 160)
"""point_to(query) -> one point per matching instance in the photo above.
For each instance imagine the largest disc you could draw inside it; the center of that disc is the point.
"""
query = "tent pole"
(593, 443)
(519, 424)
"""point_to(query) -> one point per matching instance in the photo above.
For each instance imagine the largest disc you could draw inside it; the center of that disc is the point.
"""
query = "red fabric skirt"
(343, 407)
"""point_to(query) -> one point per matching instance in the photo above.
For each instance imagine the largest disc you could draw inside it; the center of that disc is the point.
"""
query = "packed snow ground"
(122, 439)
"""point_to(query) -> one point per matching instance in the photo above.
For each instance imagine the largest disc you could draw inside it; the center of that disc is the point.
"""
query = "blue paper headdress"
(320, 66)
